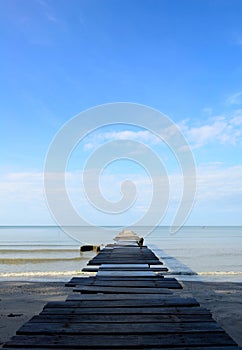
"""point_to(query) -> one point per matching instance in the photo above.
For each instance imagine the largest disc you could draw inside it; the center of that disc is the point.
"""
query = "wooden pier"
(128, 304)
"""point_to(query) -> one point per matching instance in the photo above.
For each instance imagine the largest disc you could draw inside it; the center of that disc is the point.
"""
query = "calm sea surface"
(193, 253)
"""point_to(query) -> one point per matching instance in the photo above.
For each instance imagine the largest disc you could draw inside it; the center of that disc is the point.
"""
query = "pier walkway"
(128, 304)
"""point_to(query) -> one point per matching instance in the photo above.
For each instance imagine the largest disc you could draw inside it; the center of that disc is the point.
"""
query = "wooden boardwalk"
(128, 305)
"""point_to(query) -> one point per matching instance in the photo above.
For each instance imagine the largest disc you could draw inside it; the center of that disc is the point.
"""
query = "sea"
(49, 253)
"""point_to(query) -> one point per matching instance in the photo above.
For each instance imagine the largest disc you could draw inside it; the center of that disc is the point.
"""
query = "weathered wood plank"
(90, 269)
(121, 318)
(124, 266)
(164, 301)
(130, 283)
(120, 261)
(175, 311)
(95, 269)
(127, 290)
(125, 273)
(76, 282)
(139, 348)
(127, 283)
(122, 341)
(118, 328)
(123, 278)
(121, 281)
(100, 262)
(116, 296)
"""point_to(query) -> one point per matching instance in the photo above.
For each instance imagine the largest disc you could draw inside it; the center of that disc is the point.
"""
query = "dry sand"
(19, 301)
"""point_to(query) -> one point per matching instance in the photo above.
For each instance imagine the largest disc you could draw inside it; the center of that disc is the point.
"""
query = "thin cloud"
(235, 99)
(219, 129)
(139, 136)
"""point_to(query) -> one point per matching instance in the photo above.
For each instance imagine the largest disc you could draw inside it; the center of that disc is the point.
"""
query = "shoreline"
(223, 299)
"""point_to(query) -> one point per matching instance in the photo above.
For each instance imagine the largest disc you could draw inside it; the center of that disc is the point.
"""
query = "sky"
(183, 58)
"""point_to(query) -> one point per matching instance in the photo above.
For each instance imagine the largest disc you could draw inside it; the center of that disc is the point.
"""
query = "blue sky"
(183, 58)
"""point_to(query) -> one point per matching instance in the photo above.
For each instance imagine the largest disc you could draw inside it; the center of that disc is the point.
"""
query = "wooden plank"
(118, 328)
(164, 301)
(158, 269)
(140, 253)
(76, 282)
(144, 253)
(127, 283)
(124, 311)
(121, 318)
(122, 341)
(125, 273)
(123, 278)
(126, 290)
(120, 260)
(134, 256)
(131, 283)
(90, 269)
(124, 266)
(116, 296)
(138, 348)
(95, 269)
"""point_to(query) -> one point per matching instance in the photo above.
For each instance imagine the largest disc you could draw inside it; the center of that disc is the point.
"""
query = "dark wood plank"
(175, 311)
(127, 290)
(139, 348)
(164, 301)
(116, 296)
(95, 269)
(124, 282)
(121, 318)
(118, 328)
(76, 281)
(114, 261)
(123, 278)
(122, 341)
(131, 283)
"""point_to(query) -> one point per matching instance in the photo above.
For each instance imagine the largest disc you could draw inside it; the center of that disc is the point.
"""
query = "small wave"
(44, 274)
(19, 249)
(18, 261)
(205, 273)
(220, 273)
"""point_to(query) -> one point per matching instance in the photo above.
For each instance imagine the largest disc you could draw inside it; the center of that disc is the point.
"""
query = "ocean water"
(193, 253)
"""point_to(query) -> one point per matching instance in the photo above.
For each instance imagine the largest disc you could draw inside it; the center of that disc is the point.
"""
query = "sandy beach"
(21, 300)
(224, 300)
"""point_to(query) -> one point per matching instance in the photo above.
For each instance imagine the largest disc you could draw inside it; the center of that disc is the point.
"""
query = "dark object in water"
(88, 248)
(141, 242)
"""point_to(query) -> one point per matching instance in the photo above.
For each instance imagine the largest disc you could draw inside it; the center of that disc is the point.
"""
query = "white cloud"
(235, 99)
(218, 129)
(145, 136)
(224, 129)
